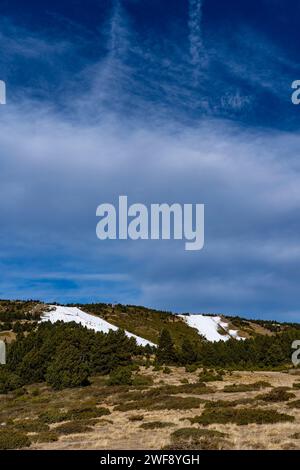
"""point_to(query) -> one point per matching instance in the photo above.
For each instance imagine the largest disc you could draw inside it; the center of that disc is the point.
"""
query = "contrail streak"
(195, 36)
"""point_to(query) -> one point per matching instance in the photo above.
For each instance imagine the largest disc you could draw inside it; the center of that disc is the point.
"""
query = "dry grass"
(167, 408)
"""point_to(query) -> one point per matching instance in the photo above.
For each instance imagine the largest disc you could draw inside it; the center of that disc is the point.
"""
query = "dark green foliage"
(258, 352)
(210, 376)
(165, 351)
(240, 416)
(239, 388)
(197, 439)
(30, 425)
(188, 354)
(156, 425)
(73, 428)
(11, 439)
(65, 355)
(8, 380)
(68, 369)
(120, 376)
(136, 418)
(160, 402)
(191, 368)
(276, 395)
(294, 404)
(229, 403)
(75, 414)
(11, 310)
(47, 436)
(142, 381)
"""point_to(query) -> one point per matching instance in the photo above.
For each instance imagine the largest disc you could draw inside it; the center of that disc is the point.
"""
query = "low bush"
(294, 404)
(197, 439)
(209, 376)
(11, 439)
(31, 426)
(86, 412)
(8, 380)
(142, 381)
(184, 381)
(156, 425)
(52, 416)
(276, 395)
(240, 416)
(191, 368)
(120, 376)
(73, 427)
(160, 403)
(236, 388)
(43, 437)
(76, 414)
(228, 403)
(136, 418)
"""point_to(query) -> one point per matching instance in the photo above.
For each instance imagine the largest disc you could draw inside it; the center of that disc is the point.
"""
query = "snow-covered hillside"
(209, 327)
(74, 314)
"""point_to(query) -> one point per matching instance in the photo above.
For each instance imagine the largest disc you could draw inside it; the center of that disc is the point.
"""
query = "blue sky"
(186, 101)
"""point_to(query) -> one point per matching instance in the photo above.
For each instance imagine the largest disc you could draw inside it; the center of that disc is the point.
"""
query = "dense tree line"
(65, 355)
(259, 352)
(18, 310)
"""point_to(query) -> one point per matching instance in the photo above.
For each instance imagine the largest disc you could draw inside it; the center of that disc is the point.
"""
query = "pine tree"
(188, 354)
(68, 369)
(165, 351)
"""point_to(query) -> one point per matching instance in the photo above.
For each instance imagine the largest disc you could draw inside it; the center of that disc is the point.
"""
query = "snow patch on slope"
(209, 327)
(74, 314)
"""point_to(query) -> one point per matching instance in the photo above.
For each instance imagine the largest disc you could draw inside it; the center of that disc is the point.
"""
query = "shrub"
(160, 403)
(191, 368)
(167, 370)
(136, 418)
(73, 427)
(294, 404)
(296, 385)
(52, 416)
(235, 388)
(31, 426)
(240, 416)
(229, 403)
(209, 376)
(142, 381)
(276, 395)
(8, 380)
(120, 376)
(184, 381)
(197, 439)
(48, 436)
(193, 389)
(86, 412)
(12, 439)
(156, 425)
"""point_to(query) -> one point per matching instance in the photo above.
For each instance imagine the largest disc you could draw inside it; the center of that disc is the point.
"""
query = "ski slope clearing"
(74, 314)
(210, 327)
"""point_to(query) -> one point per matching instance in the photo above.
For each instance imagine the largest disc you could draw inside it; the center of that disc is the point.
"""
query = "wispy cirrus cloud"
(135, 121)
